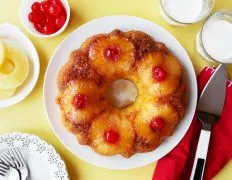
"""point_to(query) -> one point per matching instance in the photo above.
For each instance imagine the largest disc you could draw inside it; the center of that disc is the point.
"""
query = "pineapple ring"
(142, 124)
(106, 67)
(6, 93)
(80, 87)
(20, 73)
(160, 88)
(7, 66)
(2, 53)
(105, 122)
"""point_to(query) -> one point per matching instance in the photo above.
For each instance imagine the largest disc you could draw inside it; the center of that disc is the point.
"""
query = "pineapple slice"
(111, 55)
(2, 53)
(147, 138)
(112, 122)
(7, 66)
(172, 78)
(6, 93)
(21, 70)
(80, 114)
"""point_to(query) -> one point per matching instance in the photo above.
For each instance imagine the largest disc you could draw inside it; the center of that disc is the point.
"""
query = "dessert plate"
(72, 42)
(41, 158)
(13, 35)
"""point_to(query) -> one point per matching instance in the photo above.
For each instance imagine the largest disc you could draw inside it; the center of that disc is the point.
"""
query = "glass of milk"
(183, 12)
(214, 41)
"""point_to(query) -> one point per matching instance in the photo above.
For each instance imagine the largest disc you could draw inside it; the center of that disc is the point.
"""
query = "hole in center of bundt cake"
(121, 93)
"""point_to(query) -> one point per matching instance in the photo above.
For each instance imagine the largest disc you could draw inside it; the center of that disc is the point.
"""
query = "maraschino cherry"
(157, 124)
(80, 101)
(111, 136)
(112, 53)
(158, 73)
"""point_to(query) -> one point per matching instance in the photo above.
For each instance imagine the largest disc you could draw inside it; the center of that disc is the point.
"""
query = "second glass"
(214, 41)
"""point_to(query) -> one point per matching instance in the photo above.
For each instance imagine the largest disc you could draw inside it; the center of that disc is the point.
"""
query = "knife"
(210, 106)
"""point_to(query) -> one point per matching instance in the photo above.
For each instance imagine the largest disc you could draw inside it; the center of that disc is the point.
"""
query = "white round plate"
(74, 41)
(13, 35)
(41, 158)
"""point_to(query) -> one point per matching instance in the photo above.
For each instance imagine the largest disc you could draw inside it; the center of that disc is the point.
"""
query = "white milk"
(185, 11)
(217, 40)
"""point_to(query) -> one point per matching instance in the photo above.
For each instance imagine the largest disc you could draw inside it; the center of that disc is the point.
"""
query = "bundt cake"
(121, 93)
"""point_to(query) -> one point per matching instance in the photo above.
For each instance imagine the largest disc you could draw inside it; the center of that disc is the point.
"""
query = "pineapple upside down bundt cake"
(121, 93)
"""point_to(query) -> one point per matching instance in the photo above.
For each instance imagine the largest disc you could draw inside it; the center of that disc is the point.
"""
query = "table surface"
(29, 115)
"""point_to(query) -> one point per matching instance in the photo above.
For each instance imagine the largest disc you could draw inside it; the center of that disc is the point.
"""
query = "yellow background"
(29, 115)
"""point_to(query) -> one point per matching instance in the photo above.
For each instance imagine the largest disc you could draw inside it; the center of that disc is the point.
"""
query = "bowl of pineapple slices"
(19, 65)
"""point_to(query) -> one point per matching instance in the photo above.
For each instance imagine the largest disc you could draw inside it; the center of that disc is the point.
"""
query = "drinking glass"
(171, 16)
(221, 53)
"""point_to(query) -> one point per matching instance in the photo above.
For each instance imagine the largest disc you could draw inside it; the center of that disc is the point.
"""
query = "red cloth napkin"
(177, 165)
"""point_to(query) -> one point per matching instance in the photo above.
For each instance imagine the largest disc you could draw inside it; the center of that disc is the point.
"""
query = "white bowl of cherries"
(45, 18)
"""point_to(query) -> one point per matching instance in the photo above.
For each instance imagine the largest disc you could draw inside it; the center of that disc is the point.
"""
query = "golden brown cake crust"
(77, 68)
(87, 72)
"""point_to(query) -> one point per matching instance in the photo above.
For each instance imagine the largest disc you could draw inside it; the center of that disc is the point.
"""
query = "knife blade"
(213, 95)
(210, 106)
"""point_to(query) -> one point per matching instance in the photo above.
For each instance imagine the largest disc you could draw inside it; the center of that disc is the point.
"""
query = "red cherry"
(80, 101)
(159, 73)
(111, 136)
(63, 12)
(35, 7)
(30, 16)
(44, 7)
(34, 17)
(157, 124)
(55, 2)
(60, 21)
(43, 21)
(112, 53)
(49, 29)
(204, 76)
(54, 10)
(38, 27)
(50, 20)
(58, 2)
(46, 25)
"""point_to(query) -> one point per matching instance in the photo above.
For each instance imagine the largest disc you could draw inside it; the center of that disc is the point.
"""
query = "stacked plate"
(42, 160)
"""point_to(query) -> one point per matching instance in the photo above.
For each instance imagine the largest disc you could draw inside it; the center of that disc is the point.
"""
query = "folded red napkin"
(177, 165)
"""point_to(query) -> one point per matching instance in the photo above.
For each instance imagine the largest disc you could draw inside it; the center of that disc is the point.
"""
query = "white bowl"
(26, 9)
(74, 41)
(11, 34)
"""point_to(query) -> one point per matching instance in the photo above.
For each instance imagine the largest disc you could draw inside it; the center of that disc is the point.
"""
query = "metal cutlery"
(209, 108)
(8, 173)
(14, 158)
